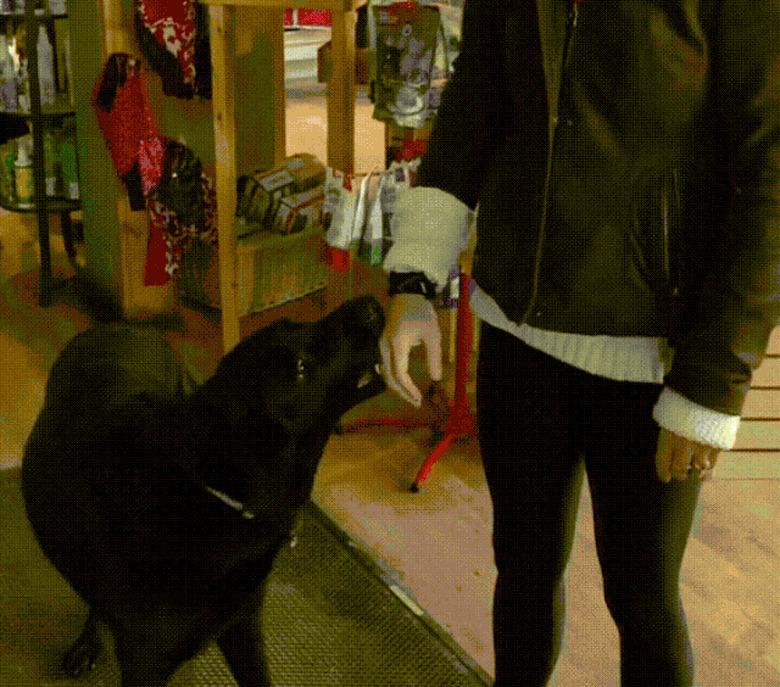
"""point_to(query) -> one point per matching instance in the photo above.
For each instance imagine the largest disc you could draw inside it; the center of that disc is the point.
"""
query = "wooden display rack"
(340, 114)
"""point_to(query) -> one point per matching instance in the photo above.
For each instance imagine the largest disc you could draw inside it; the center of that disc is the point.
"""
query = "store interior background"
(435, 543)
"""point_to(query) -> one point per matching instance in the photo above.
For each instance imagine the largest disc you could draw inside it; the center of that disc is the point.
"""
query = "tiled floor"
(437, 542)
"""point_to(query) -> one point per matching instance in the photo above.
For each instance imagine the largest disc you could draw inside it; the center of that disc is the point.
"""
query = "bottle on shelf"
(62, 54)
(8, 88)
(68, 160)
(23, 172)
(45, 67)
(23, 87)
(50, 159)
(7, 168)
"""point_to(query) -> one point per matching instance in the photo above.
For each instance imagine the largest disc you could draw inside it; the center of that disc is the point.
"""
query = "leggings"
(543, 425)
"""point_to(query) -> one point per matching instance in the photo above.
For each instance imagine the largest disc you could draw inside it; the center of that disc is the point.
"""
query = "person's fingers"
(703, 461)
(389, 373)
(663, 457)
(681, 458)
(395, 365)
(401, 366)
(677, 457)
(433, 349)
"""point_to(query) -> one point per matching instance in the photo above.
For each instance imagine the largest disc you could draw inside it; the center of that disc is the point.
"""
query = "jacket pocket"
(672, 220)
(657, 217)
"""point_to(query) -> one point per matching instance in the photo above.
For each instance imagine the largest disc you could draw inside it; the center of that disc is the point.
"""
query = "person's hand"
(677, 457)
(411, 320)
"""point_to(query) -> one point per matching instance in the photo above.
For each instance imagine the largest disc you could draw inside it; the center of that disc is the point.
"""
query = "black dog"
(164, 504)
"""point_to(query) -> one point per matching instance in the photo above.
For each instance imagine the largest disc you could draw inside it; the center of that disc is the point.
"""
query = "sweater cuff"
(429, 231)
(692, 421)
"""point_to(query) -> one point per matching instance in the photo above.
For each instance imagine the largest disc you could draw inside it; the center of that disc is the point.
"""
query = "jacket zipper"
(571, 25)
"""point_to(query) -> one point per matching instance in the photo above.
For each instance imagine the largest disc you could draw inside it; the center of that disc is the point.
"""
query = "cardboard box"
(261, 193)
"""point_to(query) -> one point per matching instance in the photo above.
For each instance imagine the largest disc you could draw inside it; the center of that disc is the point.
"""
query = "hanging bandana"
(161, 174)
(172, 35)
(129, 129)
(182, 206)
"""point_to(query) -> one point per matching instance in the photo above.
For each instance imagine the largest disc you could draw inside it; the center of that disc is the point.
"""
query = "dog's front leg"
(242, 646)
(81, 658)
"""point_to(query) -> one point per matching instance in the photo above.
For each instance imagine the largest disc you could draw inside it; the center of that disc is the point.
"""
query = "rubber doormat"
(328, 618)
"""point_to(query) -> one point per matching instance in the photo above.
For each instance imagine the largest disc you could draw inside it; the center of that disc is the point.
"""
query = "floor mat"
(329, 618)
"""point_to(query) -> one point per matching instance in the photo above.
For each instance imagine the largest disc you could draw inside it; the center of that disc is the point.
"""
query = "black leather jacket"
(625, 156)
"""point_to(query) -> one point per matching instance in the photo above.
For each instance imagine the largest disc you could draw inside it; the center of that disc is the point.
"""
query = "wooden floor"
(437, 542)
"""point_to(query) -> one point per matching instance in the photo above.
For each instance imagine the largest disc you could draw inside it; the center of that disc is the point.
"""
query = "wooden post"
(273, 20)
(223, 95)
(269, 21)
(341, 92)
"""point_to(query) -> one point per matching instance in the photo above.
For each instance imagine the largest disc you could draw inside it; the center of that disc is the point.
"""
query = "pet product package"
(404, 36)
(260, 194)
(344, 210)
(299, 212)
(376, 238)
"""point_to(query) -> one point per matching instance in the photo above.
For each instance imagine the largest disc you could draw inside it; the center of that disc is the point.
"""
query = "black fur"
(118, 470)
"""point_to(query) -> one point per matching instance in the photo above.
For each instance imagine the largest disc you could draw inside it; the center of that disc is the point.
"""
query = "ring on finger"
(700, 465)
(705, 475)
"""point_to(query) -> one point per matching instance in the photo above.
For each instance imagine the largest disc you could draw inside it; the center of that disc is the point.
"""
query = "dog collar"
(235, 505)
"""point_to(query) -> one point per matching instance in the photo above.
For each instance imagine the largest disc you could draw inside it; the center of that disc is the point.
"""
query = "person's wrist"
(411, 282)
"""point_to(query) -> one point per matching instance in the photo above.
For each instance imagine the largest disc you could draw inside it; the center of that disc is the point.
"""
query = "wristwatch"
(411, 282)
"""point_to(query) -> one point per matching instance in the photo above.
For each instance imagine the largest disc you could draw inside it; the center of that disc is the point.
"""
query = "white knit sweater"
(431, 229)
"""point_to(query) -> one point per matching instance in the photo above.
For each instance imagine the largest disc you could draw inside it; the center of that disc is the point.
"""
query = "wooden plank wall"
(758, 440)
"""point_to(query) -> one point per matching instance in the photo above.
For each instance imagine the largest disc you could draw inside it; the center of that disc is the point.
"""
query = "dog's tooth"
(378, 368)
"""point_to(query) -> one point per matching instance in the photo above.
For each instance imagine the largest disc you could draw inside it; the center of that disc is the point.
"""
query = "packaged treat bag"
(372, 246)
(344, 210)
(404, 37)
(338, 210)
(448, 45)
(376, 236)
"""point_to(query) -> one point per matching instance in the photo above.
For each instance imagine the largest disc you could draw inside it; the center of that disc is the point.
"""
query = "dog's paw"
(82, 657)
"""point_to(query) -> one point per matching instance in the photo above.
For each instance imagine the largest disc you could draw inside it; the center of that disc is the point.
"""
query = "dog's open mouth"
(369, 376)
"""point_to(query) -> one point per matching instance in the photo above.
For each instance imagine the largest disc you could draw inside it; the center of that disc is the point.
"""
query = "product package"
(406, 37)
(364, 216)
(344, 209)
(376, 238)
(260, 194)
(413, 46)
(299, 212)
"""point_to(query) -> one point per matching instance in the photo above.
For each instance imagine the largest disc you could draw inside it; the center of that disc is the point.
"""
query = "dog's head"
(305, 375)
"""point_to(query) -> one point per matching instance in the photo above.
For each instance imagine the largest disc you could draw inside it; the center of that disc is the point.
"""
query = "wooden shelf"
(54, 206)
(268, 16)
(61, 109)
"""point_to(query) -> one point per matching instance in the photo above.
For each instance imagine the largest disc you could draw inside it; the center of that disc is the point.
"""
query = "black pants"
(542, 425)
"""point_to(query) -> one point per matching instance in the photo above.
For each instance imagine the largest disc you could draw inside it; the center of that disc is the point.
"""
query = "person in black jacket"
(625, 160)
